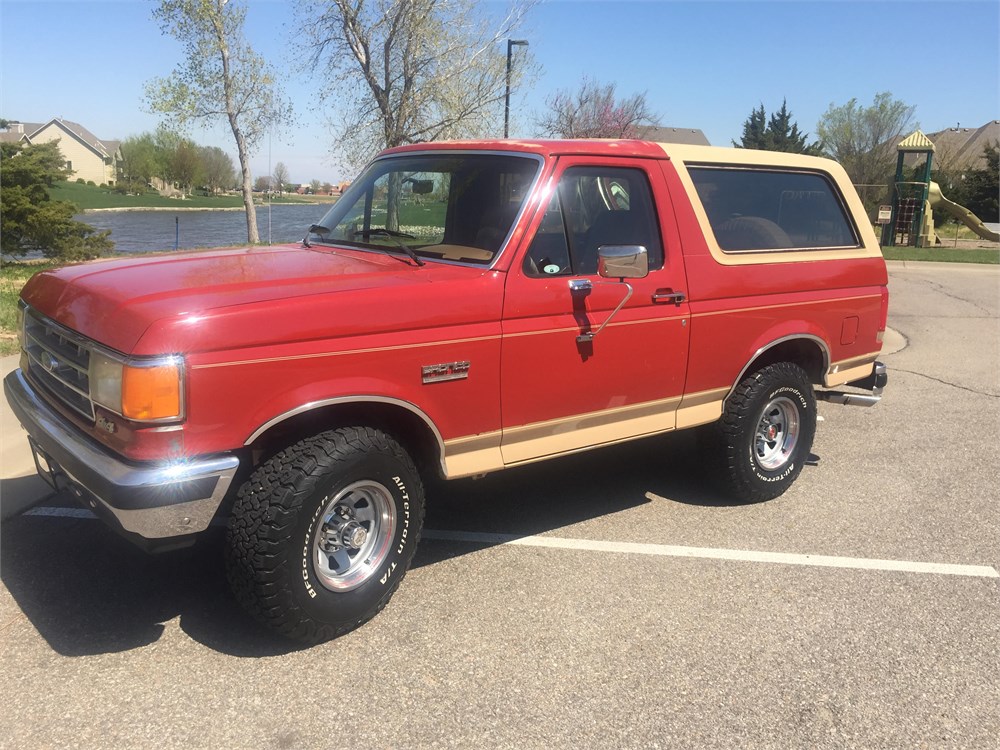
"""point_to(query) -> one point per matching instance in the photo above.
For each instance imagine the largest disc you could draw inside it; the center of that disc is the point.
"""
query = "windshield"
(457, 207)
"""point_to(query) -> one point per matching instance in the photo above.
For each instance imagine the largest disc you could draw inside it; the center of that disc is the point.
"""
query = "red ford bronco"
(304, 391)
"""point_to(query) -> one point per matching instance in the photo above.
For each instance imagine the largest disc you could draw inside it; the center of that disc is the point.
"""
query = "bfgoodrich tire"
(767, 431)
(321, 534)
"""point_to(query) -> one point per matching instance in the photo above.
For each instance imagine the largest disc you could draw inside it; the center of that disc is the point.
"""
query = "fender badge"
(445, 371)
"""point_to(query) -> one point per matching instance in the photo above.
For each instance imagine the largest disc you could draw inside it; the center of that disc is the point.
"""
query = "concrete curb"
(937, 265)
(893, 342)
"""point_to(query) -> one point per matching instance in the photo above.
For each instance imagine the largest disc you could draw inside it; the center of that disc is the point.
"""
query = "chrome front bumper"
(151, 501)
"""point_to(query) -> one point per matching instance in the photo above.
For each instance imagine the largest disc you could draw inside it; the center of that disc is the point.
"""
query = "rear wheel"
(766, 432)
(321, 534)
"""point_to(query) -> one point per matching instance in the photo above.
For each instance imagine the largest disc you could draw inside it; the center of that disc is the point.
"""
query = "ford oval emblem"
(48, 362)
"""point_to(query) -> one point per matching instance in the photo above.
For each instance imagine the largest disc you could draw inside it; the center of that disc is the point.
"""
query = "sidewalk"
(20, 486)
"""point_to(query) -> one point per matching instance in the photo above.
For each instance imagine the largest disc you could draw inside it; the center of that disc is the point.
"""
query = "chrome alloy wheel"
(777, 433)
(353, 536)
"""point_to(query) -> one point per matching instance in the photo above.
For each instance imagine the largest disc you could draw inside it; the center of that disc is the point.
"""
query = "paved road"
(582, 643)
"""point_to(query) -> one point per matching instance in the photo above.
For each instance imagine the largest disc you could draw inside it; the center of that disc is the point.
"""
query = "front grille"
(59, 360)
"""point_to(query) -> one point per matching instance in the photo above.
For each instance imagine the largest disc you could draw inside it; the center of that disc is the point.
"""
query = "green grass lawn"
(944, 254)
(13, 276)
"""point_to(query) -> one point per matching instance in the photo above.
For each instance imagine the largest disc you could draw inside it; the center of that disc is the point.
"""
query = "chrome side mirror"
(614, 262)
(622, 262)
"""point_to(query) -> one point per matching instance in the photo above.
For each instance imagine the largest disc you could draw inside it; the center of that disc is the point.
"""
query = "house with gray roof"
(87, 156)
(663, 134)
(958, 149)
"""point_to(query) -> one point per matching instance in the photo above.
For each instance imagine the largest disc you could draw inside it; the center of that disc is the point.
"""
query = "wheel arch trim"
(812, 338)
(361, 399)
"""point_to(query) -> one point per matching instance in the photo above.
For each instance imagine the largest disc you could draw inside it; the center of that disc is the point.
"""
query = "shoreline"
(186, 209)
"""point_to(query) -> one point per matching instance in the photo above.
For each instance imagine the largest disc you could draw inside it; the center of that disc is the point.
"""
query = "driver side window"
(593, 207)
(549, 251)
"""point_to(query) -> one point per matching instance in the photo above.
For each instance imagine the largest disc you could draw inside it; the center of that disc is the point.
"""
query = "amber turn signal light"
(151, 393)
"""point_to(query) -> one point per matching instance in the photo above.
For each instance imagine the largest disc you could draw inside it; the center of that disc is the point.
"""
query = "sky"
(701, 65)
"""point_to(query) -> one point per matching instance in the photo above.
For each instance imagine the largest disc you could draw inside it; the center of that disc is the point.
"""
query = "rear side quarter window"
(773, 210)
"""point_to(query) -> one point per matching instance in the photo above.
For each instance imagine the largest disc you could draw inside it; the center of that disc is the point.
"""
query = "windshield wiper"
(315, 229)
(394, 236)
(386, 232)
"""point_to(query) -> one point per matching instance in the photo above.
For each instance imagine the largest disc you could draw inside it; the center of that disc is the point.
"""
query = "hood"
(116, 301)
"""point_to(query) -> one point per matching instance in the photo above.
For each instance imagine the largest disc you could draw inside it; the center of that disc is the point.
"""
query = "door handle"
(667, 295)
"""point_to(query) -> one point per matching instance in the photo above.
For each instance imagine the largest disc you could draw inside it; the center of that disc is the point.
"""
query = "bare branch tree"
(221, 77)
(406, 71)
(280, 175)
(593, 111)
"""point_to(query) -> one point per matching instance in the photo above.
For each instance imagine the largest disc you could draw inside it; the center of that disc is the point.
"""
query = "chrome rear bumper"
(875, 383)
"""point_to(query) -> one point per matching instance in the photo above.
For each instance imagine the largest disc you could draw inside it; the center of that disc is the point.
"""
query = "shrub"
(30, 220)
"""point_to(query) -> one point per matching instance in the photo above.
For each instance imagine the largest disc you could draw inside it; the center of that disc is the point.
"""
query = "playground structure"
(914, 203)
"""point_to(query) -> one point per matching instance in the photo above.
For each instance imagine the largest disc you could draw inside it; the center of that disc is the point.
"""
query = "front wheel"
(321, 534)
(766, 431)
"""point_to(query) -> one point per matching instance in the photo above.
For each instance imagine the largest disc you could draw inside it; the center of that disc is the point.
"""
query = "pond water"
(145, 231)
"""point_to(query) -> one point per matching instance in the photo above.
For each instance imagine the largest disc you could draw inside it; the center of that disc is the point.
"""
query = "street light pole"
(511, 43)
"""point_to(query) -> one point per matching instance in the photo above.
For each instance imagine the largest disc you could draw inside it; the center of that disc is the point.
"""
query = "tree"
(216, 168)
(280, 175)
(140, 162)
(779, 133)
(982, 185)
(594, 112)
(314, 186)
(221, 77)
(30, 219)
(167, 141)
(186, 166)
(263, 183)
(864, 139)
(405, 71)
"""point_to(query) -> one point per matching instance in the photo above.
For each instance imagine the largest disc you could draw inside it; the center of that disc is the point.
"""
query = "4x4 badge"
(445, 371)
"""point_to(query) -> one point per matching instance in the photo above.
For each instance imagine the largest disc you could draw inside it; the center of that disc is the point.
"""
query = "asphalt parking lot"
(602, 600)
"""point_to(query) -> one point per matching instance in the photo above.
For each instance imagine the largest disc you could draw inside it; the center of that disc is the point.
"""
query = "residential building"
(88, 157)
(663, 134)
(958, 149)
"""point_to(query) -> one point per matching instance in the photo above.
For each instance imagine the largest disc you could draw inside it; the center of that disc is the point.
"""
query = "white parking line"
(668, 550)
(661, 550)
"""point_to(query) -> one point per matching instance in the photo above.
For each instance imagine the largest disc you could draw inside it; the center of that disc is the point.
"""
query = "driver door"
(559, 391)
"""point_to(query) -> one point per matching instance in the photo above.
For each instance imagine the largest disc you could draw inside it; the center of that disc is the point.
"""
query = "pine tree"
(30, 219)
(777, 133)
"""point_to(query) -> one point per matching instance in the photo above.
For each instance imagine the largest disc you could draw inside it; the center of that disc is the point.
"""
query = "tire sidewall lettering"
(378, 468)
(787, 389)
(788, 469)
(774, 382)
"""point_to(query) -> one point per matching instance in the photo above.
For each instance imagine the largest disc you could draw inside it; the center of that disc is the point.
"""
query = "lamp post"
(511, 43)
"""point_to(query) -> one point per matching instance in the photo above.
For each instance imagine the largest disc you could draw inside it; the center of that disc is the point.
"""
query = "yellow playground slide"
(939, 203)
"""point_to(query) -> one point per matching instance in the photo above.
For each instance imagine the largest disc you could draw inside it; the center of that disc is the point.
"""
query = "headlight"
(141, 390)
(106, 381)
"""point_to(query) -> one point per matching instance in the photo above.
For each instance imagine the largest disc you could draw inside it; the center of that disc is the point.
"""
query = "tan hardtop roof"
(685, 153)
(742, 156)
